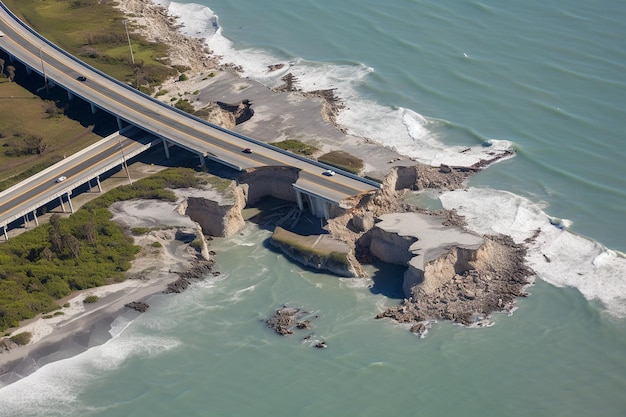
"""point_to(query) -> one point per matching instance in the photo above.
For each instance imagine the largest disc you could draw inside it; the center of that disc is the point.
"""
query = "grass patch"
(156, 244)
(295, 146)
(94, 31)
(25, 117)
(342, 160)
(90, 299)
(219, 184)
(22, 339)
(138, 231)
(85, 250)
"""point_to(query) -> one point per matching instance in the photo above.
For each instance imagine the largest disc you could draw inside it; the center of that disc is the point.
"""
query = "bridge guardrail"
(172, 108)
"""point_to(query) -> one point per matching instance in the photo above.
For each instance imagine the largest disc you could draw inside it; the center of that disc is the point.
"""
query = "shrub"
(184, 105)
(91, 299)
(183, 77)
(156, 244)
(342, 160)
(296, 146)
(22, 339)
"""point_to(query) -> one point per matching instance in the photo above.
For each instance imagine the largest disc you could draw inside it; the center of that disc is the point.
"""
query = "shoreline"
(68, 332)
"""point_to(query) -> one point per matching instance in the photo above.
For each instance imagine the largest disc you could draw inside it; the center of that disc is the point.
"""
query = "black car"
(81, 78)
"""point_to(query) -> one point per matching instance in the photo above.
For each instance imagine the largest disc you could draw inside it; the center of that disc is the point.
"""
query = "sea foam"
(557, 256)
(404, 130)
(55, 389)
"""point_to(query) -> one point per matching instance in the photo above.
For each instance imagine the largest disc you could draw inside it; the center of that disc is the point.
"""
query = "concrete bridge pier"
(120, 125)
(299, 200)
(4, 231)
(28, 71)
(93, 108)
(318, 206)
(97, 183)
(35, 218)
(202, 161)
(69, 201)
(62, 205)
(166, 146)
(70, 95)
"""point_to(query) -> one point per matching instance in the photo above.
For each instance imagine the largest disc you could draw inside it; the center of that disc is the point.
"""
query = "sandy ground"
(84, 325)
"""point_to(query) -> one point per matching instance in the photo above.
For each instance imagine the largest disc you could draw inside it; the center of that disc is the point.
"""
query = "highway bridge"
(143, 122)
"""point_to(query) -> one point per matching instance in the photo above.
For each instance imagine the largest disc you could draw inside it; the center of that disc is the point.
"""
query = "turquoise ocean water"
(547, 78)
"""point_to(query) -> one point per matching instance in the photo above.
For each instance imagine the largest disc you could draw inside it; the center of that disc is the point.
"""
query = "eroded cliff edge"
(451, 273)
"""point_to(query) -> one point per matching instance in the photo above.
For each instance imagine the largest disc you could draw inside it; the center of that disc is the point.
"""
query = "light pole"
(130, 46)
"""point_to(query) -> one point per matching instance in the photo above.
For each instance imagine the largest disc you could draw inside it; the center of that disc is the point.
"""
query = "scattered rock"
(199, 270)
(6, 345)
(306, 324)
(139, 306)
(283, 319)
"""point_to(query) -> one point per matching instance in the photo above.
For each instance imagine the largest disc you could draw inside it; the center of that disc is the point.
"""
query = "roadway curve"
(157, 118)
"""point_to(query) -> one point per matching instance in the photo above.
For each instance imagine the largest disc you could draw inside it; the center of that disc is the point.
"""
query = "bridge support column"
(202, 161)
(119, 123)
(26, 224)
(69, 201)
(93, 108)
(299, 200)
(4, 230)
(99, 185)
(62, 205)
(70, 96)
(28, 71)
(167, 148)
(35, 218)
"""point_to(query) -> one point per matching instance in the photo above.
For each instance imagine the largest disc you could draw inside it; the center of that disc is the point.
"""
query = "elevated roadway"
(162, 122)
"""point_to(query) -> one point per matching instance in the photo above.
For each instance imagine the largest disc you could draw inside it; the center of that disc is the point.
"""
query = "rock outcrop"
(217, 216)
(466, 287)
(320, 252)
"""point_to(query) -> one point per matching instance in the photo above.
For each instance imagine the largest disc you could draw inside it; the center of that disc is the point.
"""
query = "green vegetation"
(295, 146)
(34, 134)
(47, 263)
(95, 31)
(184, 105)
(90, 299)
(183, 77)
(342, 160)
(153, 187)
(156, 244)
(22, 339)
(219, 184)
(137, 231)
(82, 251)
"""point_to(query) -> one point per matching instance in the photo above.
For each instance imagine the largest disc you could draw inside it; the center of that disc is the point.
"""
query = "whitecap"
(557, 256)
(55, 388)
(404, 130)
